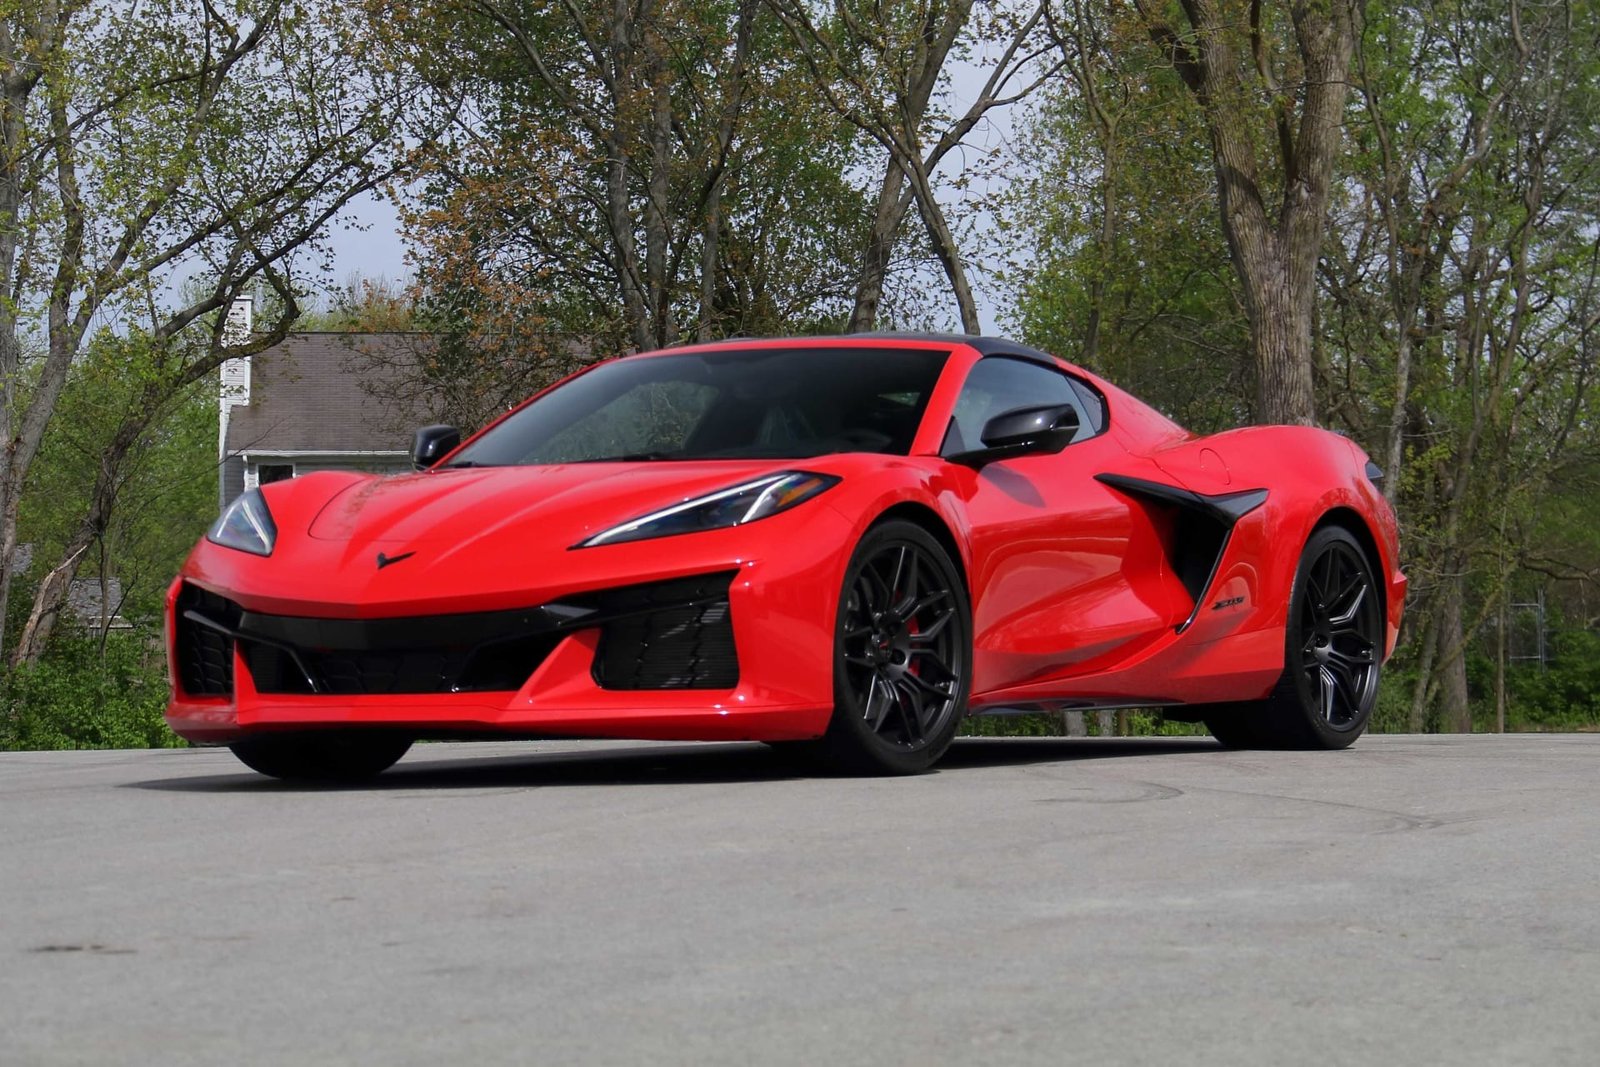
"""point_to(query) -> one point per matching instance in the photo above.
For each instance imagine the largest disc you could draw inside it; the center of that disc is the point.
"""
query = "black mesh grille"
(494, 666)
(205, 654)
(688, 647)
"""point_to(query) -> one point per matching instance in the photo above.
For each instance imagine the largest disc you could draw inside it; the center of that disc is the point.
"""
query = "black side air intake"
(1201, 528)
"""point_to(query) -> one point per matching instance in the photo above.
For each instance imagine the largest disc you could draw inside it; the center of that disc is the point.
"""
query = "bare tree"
(880, 69)
(143, 142)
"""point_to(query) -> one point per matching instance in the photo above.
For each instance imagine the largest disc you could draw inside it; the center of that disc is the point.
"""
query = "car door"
(1069, 576)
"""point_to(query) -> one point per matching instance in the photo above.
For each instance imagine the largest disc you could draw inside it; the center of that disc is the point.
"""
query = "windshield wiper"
(462, 464)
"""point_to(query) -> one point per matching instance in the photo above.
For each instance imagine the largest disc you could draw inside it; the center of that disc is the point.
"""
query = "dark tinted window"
(274, 472)
(996, 385)
(1094, 405)
(781, 403)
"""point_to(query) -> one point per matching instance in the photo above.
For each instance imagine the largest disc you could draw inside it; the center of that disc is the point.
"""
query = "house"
(317, 401)
(96, 604)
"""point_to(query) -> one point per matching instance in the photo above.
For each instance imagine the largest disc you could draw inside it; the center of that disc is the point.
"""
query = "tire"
(1333, 654)
(902, 652)
(331, 757)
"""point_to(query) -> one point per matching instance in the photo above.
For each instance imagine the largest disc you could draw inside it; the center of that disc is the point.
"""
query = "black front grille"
(689, 646)
(444, 667)
(661, 635)
(205, 653)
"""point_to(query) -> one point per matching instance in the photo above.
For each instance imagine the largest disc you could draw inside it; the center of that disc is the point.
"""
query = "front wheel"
(1333, 649)
(331, 757)
(902, 654)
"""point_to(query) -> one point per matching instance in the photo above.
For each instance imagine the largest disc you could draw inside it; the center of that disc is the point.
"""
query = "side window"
(996, 385)
(1093, 403)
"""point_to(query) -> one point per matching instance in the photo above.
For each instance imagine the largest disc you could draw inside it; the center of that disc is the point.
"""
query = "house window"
(274, 472)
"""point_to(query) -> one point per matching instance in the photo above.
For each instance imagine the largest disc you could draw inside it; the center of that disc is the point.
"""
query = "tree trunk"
(1500, 665)
(1107, 239)
(1417, 719)
(711, 231)
(1274, 252)
(880, 244)
(47, 604)
(619, 212)
(664, 329)
(1281, 348)
(944, 245)
(1455, 708)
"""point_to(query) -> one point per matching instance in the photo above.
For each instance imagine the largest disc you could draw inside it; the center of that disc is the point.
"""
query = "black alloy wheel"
(903, 650)
(1333, 655)
(1340, 627)
(331, 757)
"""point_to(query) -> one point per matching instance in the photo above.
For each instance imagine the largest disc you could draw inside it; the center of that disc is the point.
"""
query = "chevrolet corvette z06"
(847, 543)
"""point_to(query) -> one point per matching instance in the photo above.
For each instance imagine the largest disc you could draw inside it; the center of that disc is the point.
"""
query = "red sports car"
(848, 543)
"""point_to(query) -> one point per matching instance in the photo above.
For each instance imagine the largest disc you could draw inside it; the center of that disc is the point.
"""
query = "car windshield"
(767, 402)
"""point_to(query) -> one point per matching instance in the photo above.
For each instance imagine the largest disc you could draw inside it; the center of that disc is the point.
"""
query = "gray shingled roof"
(324, 392)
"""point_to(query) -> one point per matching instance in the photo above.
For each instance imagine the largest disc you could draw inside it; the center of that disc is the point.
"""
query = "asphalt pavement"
(1164, 901)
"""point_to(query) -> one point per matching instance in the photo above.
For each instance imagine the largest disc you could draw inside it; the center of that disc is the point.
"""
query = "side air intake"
(1201, 527)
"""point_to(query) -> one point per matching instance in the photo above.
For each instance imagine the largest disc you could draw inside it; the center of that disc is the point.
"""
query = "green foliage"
(1393, 713)
(80, 696)
(1456, 318)
(1040, 724)
(1565, 695)
(165, 487)
(571, 217)
(1125, 268)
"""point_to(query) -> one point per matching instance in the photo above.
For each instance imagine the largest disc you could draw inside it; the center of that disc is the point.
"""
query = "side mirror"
(1023, 432)
(433, 443)
(1046, 429)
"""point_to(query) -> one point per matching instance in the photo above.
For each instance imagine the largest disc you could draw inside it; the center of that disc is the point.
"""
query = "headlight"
(246, 524)
(730, 507)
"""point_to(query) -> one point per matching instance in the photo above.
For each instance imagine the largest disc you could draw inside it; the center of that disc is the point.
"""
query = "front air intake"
(658, 635)
(204, 646)
(684, 643)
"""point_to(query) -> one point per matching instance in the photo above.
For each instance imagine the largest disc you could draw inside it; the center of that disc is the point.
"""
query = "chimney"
(236, 329)
(235, 378)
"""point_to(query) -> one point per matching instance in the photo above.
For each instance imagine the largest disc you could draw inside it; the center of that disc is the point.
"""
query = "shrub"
(77, 698)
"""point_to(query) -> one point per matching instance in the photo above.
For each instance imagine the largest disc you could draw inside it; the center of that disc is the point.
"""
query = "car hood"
(554, 506)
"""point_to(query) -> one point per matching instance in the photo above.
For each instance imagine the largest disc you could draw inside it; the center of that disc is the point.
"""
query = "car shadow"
(652, 765)
(1004, 751)
(676, 765)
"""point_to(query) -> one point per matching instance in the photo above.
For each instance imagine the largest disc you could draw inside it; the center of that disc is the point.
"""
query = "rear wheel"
(1333, 654)
(331, 756)
(902, 654)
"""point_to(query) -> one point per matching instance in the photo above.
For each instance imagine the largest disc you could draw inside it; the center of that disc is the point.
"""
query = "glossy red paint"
(1075, 600)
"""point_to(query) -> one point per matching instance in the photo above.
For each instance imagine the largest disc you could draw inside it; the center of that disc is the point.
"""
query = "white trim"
(292, 453)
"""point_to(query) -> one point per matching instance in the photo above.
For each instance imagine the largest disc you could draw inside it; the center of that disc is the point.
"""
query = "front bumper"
(602, 661)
